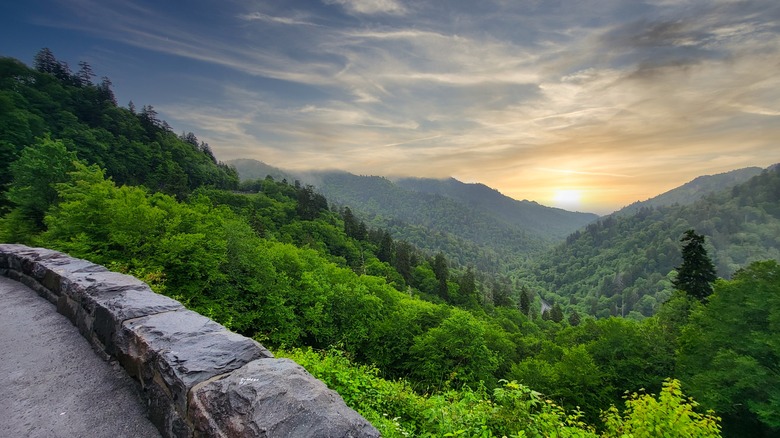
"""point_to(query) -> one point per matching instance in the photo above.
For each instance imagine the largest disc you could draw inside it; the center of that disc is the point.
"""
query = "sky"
(586, 105)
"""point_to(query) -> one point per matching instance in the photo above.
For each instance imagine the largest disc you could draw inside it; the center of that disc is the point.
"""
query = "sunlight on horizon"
(567, 199)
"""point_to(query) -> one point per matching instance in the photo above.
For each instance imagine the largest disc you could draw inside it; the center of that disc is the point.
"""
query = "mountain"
(249, 169)
(552, 223)
(471, 223)
(624, 264)
(694, 190)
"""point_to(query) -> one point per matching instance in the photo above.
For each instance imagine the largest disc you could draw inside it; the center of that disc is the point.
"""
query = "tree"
(105, 93)
(525, 302)
(696, 273)
(45, 61)
(467, 290)
(85, 74)
(442, 274)
(35, 175)
(729, 351)
(385, 250)
(574, 318)
(556, 314)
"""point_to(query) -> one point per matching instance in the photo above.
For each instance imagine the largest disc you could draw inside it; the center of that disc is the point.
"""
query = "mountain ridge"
(624, 264)
(694, 190)
(483, 228)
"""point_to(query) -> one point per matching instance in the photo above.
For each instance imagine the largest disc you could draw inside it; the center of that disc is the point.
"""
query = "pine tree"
(696, 273)
(385, 250)
(45, 61)
(442, 273)
(574, 318)
(525, 301)
(84, 75)
(556, 314)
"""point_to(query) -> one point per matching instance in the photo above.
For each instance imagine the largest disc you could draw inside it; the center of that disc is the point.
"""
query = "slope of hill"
(249, 169)
(134, 147)
(694, 190)
(471, 223)
(433, 222)
(623, 265)
(552, 223)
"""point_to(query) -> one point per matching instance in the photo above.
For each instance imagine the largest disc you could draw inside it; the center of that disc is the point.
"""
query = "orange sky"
(607, 101)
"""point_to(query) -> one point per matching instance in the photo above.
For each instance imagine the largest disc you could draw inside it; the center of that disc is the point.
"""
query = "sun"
(567, 198)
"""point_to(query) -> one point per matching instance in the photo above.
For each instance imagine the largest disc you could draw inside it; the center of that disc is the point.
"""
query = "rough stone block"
(273, 398)
(31, 256)
(110, 309)
(53, 272)
(174, 351)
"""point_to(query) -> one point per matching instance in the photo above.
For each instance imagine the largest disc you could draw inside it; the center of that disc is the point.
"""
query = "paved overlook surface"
(52, 384)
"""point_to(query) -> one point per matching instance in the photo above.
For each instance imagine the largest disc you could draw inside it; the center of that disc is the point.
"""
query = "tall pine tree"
(696, 273)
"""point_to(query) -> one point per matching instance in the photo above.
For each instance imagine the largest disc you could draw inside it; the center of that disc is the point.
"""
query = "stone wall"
(198, 378)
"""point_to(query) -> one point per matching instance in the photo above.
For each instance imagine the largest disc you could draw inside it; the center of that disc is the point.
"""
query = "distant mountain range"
(553, 223)
(620, 264)
(472, 223)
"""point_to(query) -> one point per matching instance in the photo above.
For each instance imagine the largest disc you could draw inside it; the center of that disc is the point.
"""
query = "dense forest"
(624, 264)
(472, 224)
(419, 346)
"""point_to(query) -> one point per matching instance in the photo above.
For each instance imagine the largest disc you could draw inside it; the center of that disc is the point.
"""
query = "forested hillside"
(133, 146)
(623, 265)
(470, 223)
(418, 347)
(692, 191)
(549, 223)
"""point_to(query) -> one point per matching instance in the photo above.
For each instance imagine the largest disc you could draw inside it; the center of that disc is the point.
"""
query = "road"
(52, 384)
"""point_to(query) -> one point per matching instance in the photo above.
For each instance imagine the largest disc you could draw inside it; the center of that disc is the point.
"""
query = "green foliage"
(730, 350)
(135, 149)
(39, 168)
(612, 265)
(511, 409)
(670, 415)
(455, 353)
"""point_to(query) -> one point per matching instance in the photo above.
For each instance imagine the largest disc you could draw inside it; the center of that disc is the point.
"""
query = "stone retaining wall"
(198, 378)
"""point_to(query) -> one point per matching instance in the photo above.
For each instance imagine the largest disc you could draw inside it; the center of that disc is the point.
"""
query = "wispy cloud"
(368, 7)
(519, 95)
(257, 16)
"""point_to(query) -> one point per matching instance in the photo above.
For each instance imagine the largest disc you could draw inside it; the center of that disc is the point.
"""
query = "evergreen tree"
(84, 75)
(574, 318)
(525, 301)
(501, 292)
(556, 314)
(104, 91)
(403, 260)
(385, 251)
(467, 290)
(441, 271)
(696, 273)
(45, 61)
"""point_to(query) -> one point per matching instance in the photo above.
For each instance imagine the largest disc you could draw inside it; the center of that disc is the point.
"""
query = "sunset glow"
(567, 199)
(617, 100)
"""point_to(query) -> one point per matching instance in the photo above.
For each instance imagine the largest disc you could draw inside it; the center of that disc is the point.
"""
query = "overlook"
(196, 378)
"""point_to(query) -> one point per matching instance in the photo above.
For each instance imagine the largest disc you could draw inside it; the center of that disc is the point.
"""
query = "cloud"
(369, 7)
(257, 16)
(491, 91)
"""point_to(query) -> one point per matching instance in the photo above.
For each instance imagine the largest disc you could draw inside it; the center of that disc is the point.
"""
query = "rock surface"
(273, 398)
